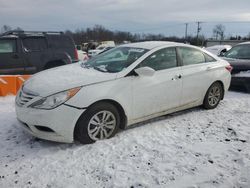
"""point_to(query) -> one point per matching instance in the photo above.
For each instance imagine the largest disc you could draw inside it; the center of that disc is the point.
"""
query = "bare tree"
(219, 31)
(248, 36)
(19, 29)
(5, 28)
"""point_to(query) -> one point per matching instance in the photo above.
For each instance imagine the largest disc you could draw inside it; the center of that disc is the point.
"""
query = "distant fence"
(223, 42)
(10, 84)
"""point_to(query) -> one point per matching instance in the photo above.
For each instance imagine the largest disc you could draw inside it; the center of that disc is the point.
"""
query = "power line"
(226, 22)
(186, 26)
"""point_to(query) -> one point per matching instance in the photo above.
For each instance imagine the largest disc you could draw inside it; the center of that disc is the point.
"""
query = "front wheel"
(213, 96)
(101, 121)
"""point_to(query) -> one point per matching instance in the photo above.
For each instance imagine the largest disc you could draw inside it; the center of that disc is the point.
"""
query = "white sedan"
(128, 84)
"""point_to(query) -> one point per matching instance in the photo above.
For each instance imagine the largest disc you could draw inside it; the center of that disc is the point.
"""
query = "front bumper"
(240, 82)
(61, 122)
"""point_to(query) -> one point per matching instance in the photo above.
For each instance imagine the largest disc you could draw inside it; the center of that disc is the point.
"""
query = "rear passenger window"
(161, 59)
(209, 58)
(60, 41)
(34, 44)
(191, 56)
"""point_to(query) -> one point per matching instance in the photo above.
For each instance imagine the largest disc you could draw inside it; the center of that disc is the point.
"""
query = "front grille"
(24, 98)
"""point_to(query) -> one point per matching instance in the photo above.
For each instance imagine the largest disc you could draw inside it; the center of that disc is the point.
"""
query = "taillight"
(76, 55)
(229, 68)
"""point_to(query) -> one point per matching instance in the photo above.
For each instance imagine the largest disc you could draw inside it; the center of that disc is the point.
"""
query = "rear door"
(11, 61)
(63, 47)
(197, 74)
(35, 53)
(162, 91)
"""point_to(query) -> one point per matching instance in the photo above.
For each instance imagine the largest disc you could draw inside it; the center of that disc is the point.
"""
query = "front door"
(160, 92)
(11, 61)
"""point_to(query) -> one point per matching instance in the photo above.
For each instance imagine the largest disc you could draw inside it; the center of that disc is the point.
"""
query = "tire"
(213, 96)
(92, 122)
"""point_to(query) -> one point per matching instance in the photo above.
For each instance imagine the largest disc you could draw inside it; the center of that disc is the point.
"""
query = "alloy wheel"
(101, 125)
(214, 96)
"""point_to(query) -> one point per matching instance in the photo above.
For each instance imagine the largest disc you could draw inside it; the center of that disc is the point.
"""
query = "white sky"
(149, 16)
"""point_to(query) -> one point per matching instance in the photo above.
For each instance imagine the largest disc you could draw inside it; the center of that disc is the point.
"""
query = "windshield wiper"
(85, 65)
(101, 69)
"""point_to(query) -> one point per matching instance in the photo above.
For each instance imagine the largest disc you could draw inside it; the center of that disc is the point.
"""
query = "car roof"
(21, 33)
(151, 44)
(248, 42)
(8, 37)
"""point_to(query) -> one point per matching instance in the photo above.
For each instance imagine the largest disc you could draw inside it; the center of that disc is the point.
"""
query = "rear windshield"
(239, 52)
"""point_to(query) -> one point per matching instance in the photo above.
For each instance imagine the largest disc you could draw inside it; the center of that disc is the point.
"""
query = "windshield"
(115, 60)
(239, 52)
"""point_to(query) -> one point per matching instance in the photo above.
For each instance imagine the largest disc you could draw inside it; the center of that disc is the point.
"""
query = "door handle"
(176, 77)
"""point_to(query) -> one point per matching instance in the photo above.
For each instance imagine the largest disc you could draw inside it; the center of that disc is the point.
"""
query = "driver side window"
(161, 59)
(7, 46)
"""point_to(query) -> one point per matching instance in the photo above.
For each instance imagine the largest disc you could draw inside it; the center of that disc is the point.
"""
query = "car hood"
(238, 64)
(65, 77)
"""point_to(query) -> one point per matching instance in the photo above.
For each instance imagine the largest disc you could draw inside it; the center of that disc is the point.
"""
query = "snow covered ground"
(194, 148)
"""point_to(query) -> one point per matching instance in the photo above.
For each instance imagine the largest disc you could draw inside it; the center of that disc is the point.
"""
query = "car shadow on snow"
(165, 117)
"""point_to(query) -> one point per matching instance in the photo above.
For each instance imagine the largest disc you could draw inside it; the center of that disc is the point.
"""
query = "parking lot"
(192, 148)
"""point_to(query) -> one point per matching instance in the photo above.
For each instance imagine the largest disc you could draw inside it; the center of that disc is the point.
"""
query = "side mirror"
(26, 50)
(222, 53)
(145, 71)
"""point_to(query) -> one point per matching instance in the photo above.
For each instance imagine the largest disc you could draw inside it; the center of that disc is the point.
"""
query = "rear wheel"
(213, 96)
(100, 121)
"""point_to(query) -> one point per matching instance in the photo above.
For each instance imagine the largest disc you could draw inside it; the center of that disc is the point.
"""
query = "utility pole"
(186, 29)
(198, 31)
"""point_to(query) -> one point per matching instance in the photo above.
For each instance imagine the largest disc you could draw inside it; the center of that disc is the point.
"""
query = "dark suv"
(23, 52)
(239, 58)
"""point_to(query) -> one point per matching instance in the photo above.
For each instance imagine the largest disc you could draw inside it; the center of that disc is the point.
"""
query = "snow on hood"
(65, 77)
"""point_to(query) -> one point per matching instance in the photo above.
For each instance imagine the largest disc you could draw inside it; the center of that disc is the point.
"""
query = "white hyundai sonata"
(128, 84)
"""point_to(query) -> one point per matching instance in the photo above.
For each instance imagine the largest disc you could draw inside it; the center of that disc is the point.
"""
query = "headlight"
(55, 100)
